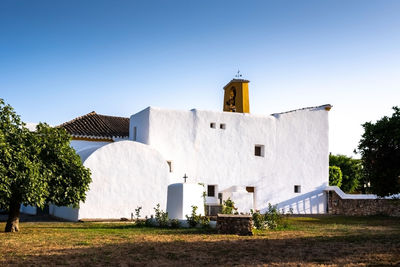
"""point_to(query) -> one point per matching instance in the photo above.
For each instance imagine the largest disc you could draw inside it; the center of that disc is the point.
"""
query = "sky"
(63, 59)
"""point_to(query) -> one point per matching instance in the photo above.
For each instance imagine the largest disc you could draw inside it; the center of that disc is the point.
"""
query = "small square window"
(297, 189)
(212, 125)
(211, 190)
(259, 150)
(222, 126)
(169, 165)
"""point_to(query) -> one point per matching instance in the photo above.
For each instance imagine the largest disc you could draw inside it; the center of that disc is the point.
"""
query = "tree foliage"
(37, 168)
(351, 171)
(335, 176)
(380, 154)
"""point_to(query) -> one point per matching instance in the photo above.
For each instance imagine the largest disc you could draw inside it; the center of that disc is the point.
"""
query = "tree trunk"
(13, 217)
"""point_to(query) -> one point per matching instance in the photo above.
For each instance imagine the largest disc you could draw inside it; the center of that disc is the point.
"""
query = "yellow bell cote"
(236, 97)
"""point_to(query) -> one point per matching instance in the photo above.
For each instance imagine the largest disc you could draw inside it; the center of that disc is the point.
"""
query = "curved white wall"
(125, 175)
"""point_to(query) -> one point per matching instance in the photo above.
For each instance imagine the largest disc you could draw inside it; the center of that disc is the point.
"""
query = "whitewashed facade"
(253, 159)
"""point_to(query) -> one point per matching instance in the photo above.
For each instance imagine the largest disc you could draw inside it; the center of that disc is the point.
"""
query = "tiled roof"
(96, 125)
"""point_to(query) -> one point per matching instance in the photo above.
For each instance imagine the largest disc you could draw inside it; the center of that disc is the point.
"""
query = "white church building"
(159, 155)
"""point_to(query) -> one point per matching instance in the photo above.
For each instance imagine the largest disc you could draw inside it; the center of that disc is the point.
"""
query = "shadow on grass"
(348, 220)
(112, 227)
(231, 250)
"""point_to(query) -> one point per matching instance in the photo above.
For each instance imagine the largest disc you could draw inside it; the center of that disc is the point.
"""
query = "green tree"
(335, 176)
(380, 154)
(37, 168)
(351, 171)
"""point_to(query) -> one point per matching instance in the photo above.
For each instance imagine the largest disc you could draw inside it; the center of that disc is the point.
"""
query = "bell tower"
(236, 97)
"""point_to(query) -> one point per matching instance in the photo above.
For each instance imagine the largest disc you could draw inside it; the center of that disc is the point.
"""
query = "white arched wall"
(125, 175)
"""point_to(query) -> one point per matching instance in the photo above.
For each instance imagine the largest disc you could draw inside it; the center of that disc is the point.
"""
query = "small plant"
(138, 222)
(161, 216)
(205, 222)
(228, 207)
(193, 220)
(148, 222)
(175, 223)
(258, 219)
(204, 195)
(272, 219)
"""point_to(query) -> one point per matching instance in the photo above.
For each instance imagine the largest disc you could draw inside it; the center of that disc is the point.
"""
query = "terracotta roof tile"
(96, 125)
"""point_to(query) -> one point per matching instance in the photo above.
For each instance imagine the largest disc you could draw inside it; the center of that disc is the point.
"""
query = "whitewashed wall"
(295, 152)
(125, 175)
(181, 197)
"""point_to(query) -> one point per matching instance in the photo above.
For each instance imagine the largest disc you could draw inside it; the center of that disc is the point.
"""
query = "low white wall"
(67, 213)
(181, 198)
(28, 210)
(344, 195)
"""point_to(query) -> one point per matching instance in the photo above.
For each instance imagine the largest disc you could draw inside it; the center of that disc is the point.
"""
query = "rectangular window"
(211, 190)
(212, 125)
(170, 165)
(297, 189)
(250, 189)
(259, 150)
(134, 133)
(222, 126)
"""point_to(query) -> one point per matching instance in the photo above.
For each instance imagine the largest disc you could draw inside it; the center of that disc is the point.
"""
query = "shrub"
(193, 220)
(161, 216)
(228, 206)
(149, 222)
(335, 176)
(272, 219)
(175, 223)
(138, 222)
(258, 220)
(205, 222)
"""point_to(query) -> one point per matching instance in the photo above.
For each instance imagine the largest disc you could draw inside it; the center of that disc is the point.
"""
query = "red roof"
(96, 125)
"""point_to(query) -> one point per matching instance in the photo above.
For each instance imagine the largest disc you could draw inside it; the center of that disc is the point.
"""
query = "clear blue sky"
(63, 59)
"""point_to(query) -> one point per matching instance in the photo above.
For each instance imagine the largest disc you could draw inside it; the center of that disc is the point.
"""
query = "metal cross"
(238, 74)
(185, 177)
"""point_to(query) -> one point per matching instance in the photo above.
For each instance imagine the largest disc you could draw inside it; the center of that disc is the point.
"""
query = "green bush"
(228, 207)
(175, 223)
(149, 222)
(335, 176)
(352, 171)
(205, 222)
(271, 219)
(258, 220)
(194, 219)
(161, 216)
(138, 222)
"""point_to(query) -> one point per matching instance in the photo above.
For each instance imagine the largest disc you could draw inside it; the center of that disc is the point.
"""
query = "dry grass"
(322, 240)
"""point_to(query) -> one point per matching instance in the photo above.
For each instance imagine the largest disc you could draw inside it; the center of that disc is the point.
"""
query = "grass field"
(325, 240)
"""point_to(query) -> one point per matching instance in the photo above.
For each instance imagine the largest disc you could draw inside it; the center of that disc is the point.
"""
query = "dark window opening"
(297, 189)
(211, 191)
(212, 125)
(250, 189)
(259, 150)
(222, 126)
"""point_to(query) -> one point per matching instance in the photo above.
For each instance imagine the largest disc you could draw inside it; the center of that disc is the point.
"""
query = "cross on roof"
(238, 74)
